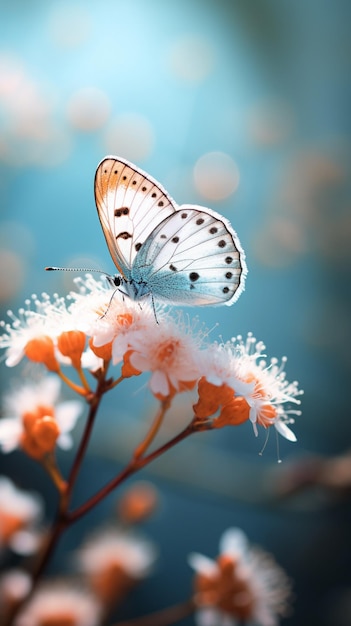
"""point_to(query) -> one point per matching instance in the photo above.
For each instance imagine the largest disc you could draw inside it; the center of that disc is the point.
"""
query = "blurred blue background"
(243, 106)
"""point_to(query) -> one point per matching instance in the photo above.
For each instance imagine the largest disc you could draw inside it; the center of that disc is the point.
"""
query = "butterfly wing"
(192, 257)
(130, 204)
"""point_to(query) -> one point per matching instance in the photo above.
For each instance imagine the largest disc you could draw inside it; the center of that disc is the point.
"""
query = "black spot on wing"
(194, 276)
(124, 210)
(124, 235)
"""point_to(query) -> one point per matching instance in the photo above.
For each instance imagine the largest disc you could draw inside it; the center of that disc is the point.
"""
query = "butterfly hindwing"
(192, 257)
(130, 205)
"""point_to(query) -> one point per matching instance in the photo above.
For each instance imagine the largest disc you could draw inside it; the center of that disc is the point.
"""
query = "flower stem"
(170, 615)
(135, 465)
(94, 405)
(51, 467)
(80, 390)
(83, 379)
(143, 446)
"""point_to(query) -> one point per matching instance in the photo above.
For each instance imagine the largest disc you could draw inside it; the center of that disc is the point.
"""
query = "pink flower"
(170, 352)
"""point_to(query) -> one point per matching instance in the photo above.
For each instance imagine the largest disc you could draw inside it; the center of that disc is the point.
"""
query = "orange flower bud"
(127, 368)
(226, 589)
(40, 432)
(42, 350)
(211, 398)
(72, 343)
(234, 413)
(266, 415)
(110, 583)
(9, 525)
(46, 432)
(103, 352)
(137, 503)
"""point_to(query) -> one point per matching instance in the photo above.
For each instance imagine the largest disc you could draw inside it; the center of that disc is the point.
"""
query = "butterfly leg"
(154, 309)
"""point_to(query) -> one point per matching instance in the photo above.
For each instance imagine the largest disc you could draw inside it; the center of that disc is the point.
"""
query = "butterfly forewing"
(192, 257)
(130, 205)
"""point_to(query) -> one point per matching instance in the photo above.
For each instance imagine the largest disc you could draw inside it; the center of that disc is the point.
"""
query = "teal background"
(266, 82)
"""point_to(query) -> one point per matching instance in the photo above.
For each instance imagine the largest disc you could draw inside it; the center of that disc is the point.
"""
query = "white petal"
(159, 383)
(90, 361)
(10, 433)
(202, 564)
(233, 542)
(25, 542)
(285, 431)
(49, 389)
(212, 617)
(67, 414)
(119, 348)
(140, 362)
(65, 441)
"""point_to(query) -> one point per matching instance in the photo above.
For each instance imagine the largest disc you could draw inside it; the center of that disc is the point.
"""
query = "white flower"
(92, 301)
(45, 319)
(248, 387)
(113, 561)
(271, 391)
(133, 554)
(61, 602)
(19, 513)
(49, 318)
(170, 351)
(119, 324)
(15, 585)
(31, 398)
(244, 585)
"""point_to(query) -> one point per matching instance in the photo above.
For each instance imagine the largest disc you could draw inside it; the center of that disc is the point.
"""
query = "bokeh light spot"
(12, 270)
(69, 26)
(192, 58)
(216, 176)
(130, 135)
(88, 109)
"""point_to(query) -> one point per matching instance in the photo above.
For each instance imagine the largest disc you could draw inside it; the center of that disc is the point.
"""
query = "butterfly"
(186, 255)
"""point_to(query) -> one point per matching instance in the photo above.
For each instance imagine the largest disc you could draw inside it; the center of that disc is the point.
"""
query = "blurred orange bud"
(137, 503)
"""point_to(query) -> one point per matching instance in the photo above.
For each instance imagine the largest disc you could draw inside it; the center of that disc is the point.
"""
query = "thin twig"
(134, 466)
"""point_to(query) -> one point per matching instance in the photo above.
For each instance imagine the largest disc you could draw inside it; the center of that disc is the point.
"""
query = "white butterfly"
(187, 255)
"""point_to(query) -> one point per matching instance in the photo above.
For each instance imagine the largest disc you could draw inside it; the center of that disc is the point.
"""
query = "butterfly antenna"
(75, 269)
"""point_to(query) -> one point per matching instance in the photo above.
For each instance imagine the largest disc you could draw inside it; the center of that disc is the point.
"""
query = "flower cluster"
(106, 339)
(243, 585)
(235, 383)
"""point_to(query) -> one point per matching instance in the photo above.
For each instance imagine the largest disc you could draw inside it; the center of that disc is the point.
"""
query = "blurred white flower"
(61, 603)
(244, 585)
(36, 419)
(20, 512)
(113, 561)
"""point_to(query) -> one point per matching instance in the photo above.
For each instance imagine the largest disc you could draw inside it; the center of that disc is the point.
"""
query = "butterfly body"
(185, 254)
